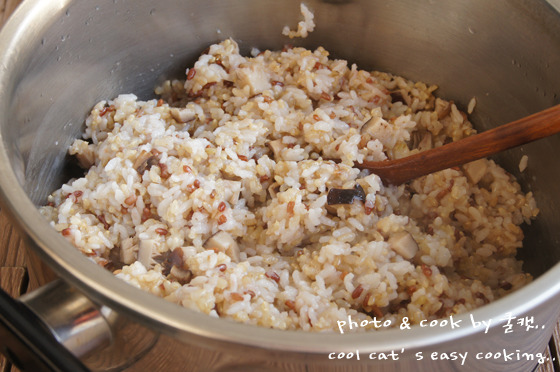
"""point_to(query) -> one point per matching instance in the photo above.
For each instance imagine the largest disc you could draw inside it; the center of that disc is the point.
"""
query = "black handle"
(29, 344)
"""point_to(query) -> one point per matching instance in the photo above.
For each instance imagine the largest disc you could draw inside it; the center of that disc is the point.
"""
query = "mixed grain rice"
(304, 27)
(239, 147)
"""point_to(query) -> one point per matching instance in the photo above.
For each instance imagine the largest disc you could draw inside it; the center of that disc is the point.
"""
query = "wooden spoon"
(519, 132)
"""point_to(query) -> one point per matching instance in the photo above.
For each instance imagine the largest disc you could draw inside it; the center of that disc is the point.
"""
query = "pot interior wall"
(502, 53)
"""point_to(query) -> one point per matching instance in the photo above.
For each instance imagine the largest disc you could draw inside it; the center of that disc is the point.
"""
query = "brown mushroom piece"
(273, 189)
(421, 140)
(404, 244)
(336, 197)
(443, 108)
(223, 242)
(174, 266)
(398, 96)
(232, 191)
(86, 159)
(182, 115)
(83, 152)
(128, 251)
(370, 124)
(426, 142)
(144, 162)
(180, 275)
(475, 170)
(276, 146)
(173, 258)
(147, 250)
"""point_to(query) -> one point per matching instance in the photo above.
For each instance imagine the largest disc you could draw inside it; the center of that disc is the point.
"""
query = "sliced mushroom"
(180, 275)
(170, 259)
(346, 196)
(400, 96)
(370, 124)
(175, 258)
(475, 170)
(232, 190)
(443, 108)
(174, 266)
(128, 251)
(253, 76)
(223, 242)
(273, 189)
(336, 197)
(381, 130)
(146, 251)
(404, 244)
(85, 161)
(182, 115)
(416, 138)
(144, 162)
(84, 153)
(375, 114)
(426, 142)
(276, 146)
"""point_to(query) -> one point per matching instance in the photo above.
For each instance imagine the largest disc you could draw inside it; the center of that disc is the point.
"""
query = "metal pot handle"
(52, 327)
(28, 343)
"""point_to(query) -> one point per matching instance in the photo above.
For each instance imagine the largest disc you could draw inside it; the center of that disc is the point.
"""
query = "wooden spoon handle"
(519, 132)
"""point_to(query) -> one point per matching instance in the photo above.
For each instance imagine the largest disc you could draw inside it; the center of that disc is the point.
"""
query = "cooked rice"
(241, 147)
(471, 106)
(523, 163)
(304, 27)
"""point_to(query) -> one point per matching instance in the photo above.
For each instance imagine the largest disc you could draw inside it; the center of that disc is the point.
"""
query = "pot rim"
(184, 324)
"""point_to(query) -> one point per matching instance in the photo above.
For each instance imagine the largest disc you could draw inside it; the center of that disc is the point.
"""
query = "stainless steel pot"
(60, 57)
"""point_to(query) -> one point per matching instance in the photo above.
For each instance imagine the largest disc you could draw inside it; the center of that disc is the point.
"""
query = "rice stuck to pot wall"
(216, 196)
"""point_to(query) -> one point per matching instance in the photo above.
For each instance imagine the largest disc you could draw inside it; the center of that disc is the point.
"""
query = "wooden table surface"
(14, 272)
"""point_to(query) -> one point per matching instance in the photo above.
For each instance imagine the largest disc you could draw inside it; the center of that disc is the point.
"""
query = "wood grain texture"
(7, 7)
(13, 278)
(555, 348)
(13, 272)
(12, 253)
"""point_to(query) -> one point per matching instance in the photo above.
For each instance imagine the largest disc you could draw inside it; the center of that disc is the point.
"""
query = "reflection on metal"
(96, 334)
(74, 320)
(465, 47)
